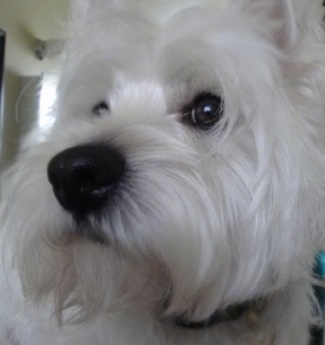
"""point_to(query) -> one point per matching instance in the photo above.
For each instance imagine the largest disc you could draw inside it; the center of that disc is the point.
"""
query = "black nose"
(84, 177)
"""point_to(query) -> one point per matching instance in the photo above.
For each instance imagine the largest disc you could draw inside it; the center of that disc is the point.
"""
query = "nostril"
(90, 180)
(83, 177)
(87, 180)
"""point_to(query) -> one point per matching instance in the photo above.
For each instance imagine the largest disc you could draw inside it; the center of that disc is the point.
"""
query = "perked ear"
(294, 19)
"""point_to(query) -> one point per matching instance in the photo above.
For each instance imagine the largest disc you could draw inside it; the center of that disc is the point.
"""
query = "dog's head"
(185, 170)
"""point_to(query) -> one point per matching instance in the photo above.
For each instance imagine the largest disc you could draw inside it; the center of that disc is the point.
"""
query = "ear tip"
(296, 18)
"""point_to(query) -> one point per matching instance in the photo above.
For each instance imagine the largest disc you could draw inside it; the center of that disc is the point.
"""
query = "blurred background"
(34, 32)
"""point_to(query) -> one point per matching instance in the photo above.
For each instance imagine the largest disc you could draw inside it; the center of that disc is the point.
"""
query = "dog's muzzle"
(84, 177)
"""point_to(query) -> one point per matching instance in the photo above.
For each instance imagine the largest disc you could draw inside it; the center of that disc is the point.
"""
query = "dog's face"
(184, 171)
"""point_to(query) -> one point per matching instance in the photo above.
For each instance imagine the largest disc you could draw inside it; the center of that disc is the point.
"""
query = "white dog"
(180, 196)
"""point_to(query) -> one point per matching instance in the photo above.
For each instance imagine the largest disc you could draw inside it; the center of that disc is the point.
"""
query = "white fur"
(206, 218)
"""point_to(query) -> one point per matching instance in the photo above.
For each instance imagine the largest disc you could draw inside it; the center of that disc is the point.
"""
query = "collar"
(232, 313)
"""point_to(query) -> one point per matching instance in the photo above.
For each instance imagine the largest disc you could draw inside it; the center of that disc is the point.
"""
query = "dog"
(179, 197)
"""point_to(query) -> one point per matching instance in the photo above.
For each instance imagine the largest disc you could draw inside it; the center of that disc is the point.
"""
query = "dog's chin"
(90, 268)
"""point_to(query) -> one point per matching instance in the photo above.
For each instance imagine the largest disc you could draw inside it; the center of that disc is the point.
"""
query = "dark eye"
(100, 107)
(205, 110)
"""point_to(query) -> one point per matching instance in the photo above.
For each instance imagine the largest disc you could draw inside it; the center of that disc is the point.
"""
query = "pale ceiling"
(26, 20)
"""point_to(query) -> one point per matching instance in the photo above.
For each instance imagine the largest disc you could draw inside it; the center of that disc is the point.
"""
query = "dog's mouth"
(250, 309)
(89, 230)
